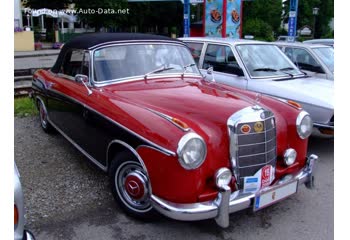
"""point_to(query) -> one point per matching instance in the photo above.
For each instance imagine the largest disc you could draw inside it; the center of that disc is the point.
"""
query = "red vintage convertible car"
(172, 141)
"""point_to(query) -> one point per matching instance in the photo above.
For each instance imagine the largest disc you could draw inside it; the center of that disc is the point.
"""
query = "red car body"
(151, 114)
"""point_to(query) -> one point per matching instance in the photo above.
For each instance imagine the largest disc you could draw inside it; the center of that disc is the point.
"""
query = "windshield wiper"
(158, 70)
(275, 70)
(264, 70)
(286, 69)
(185, 68)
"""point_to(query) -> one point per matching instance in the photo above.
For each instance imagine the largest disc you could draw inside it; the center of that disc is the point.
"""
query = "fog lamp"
(223, 177)
(289, 156)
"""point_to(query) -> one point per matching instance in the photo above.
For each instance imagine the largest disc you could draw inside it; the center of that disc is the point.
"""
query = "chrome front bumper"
(228, 202)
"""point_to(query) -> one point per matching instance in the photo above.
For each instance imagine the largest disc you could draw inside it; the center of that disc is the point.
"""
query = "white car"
(263, 67)
(20, 232)
(315, 59)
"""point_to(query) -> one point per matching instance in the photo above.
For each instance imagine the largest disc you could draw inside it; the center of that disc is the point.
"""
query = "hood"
(313, 91)
(202, 106)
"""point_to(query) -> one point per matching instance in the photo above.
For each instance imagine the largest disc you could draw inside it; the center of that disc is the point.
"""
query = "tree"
(264, 14)
(305, 16)
(102, 13)
(53, 4)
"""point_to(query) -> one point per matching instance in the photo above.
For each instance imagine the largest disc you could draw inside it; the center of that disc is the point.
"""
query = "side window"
(221, 58)
(75, 63)
(196, 50)
(304, 60)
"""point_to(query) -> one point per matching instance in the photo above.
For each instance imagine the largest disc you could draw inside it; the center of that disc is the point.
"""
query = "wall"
(24, 41)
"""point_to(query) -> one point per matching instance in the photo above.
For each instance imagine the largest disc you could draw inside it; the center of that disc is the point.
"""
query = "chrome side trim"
(156, 149)
(93, 160)
(166, 151)
(168, 118)
(320, 125)
(129, 148)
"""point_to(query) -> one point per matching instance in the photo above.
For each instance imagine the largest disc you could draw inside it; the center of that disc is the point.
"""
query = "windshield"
(326, 54)
(266, 61)
(125, 61)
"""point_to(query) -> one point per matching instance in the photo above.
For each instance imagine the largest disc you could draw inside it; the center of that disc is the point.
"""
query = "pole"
(186, 18)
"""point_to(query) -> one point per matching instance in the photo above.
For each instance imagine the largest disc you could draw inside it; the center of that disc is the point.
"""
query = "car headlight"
(304, 125)
(191, 151)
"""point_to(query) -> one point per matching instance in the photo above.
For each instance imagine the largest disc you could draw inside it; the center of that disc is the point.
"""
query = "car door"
(305, 61)
(225, 65)
(68, 102)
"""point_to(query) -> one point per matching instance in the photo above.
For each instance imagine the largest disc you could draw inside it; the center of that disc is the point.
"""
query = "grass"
(25, 107)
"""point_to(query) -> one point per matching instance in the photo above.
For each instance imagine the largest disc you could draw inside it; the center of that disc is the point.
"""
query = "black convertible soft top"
(89, 41)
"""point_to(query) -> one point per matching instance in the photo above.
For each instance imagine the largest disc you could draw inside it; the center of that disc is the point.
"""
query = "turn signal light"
(180, 123)
(16, 214)
(295, 104)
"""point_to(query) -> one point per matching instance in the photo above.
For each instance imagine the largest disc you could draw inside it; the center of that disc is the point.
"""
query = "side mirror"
(80, 78)
(210, 71)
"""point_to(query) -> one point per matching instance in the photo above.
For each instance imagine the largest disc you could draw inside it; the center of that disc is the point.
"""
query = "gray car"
(315, 59)
(262, 67)
(20, 232)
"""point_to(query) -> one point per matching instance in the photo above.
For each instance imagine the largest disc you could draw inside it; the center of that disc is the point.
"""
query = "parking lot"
(66, 197)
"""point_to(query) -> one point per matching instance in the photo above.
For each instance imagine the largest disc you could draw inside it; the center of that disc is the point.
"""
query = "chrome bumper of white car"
(228, 202)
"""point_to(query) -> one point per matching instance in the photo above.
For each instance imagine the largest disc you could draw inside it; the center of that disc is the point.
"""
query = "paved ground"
(35, 62)
(68, 198)
(44, 52)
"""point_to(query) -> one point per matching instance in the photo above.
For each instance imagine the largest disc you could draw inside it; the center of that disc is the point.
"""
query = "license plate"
(272, 196)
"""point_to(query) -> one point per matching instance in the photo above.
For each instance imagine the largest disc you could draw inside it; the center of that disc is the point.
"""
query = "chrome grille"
(253, 149)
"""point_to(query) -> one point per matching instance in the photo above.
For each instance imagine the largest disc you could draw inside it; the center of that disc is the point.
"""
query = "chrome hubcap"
(132, 186)
(43, 116)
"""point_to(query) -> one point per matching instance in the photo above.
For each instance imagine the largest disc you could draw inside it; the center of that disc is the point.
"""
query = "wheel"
(130, 186)
(45, 125)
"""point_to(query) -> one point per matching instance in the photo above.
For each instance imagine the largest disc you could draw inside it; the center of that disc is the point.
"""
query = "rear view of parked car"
(20, 232)
(263, 67)
(315, 59)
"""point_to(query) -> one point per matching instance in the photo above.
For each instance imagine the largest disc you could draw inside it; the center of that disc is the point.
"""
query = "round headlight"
(223, 177)
(289, 156)
(191, 151)
(304, 125)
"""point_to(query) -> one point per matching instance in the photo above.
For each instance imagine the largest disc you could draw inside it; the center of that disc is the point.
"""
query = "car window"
(75, 62)
(118, 62)
(221, 58)
(303, 59)
(196, 50)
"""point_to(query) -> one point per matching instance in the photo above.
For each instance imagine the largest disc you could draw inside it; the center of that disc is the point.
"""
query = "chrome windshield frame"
(135, 78)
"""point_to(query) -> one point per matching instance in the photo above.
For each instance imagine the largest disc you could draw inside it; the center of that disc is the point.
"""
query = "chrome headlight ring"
(191, 151)
(304, 125)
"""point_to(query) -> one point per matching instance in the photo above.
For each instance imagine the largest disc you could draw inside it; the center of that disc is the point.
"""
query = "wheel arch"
(117, 146)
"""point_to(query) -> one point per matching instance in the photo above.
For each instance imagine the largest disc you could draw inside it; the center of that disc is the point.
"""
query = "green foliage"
(259, 29)
(24, 107)
(262, 18)
(52, 4)
(105, 19)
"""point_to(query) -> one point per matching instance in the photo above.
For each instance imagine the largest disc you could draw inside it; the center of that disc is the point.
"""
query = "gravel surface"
(57, 180)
